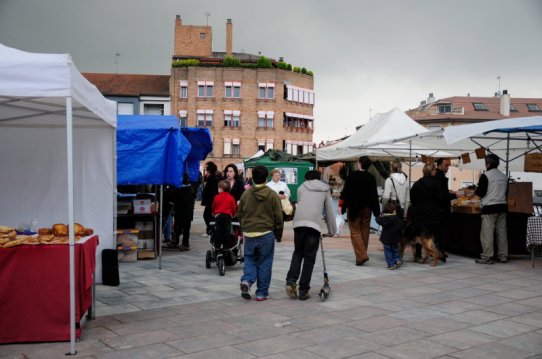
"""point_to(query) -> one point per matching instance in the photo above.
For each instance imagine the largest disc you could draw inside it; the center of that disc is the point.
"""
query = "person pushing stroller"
(223, 210)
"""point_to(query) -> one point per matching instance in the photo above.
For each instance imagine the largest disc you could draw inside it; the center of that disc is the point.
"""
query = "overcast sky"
(367, 56)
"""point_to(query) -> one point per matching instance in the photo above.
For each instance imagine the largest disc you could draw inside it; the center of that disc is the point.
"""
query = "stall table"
(464, 235)
(35, 290)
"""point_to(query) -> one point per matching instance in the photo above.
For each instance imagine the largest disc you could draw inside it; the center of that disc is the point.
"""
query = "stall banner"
(533, 162)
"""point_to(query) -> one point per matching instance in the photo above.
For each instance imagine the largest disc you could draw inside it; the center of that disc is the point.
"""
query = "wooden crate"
(520, 197)
(146, 254)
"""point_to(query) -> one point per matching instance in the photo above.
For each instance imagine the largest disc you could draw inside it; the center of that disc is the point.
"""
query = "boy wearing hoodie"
(260, 216)
(313, 196)
(392, 230)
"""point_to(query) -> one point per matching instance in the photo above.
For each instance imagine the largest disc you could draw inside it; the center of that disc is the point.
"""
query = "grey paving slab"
(463, 339)
(491, 350)
(529, 342)
(274, 345)
(419, 349)
(503, 328)
(395, 336)
(344, 348)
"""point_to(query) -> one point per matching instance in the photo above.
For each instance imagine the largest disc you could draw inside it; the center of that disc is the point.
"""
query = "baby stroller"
(230, 253)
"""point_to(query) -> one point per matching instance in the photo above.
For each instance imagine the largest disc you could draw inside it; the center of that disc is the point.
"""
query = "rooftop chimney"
(229, 37)
(431, 98)
(505, 103)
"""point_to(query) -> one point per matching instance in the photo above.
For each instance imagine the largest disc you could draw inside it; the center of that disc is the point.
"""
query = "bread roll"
(45, 231)
(78, 229)
(60, 230)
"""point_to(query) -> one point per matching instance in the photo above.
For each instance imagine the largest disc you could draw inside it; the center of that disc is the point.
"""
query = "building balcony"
(299, 129)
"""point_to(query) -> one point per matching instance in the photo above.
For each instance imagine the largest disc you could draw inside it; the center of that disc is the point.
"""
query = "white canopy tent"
(378, 131)
(57, 150)
(510, 139)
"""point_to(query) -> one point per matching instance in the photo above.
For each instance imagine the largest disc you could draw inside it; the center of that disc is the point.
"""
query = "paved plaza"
(455, 310)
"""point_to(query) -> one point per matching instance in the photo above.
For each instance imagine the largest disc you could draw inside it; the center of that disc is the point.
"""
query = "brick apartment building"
(460, 110)
(245, 108)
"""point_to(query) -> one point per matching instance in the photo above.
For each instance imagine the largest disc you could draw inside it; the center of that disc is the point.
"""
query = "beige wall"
(189, 41)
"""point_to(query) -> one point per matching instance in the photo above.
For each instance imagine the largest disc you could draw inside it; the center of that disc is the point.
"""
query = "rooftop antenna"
(117, 55)
(207, 15)
(499, 78)
(370, 113)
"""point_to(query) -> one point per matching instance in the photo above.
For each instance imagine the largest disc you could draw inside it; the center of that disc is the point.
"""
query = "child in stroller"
(225, 236)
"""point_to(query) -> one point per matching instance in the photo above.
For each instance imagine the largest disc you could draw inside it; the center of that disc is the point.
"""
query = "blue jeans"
(258, 265)
(391, 252)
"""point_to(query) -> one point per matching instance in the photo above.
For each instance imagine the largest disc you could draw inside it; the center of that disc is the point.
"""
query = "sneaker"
(398, 264)
(304, 295)
(245, 290)
(205, 235)
(291, 290)
(262, 298)
(393, 267)
(484, 261)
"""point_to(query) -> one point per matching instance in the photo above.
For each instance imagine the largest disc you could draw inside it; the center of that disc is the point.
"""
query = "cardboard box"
(142, 206)
(146, 254)
(520, 197)
(124, 207)
(145, 244)
(144, 225)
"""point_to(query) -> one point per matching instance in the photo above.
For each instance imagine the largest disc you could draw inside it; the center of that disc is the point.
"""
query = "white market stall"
(57, 150)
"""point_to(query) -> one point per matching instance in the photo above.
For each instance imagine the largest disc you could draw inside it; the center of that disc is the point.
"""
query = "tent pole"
(409, 163)
(71, 232)
(160, 228)
(507, 153)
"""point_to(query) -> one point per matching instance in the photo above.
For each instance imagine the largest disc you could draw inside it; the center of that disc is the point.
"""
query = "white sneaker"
(205, 235)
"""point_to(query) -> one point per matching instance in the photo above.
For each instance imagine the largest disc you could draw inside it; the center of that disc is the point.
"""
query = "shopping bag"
(339, 221)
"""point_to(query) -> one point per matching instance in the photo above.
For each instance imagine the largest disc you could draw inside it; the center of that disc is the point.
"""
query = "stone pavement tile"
(463, 339)
(420, 290)
(274, 345)
(455, 306)
(329, 333)
(438, 326)
(534, 302)
(365, 311)
(343, 348)
(101, 322)
(141, 326)
(139, 339)
(202, 343)
(369, 356)
(503, 328)
(256, 319)
(125, 299)
(417, 314)
(477, 316)
(218, 353)
(341, 303)
(98, 333)
(533, 319)
(449, 285)
(394, 336)
(470, 292)
(147, 289)
(312, 321)
(437, 298)
(519, 293)
(376, 324)
(209, 327)
(88, 348)
(199, 316)
(488, 300)
(266, 331)
(155, 351)
(399, 305)
(529, 342)
(498, 286)
(511, 309)
(144, 315)
(418, 349)
(297, 354)
(492, 350)
(102, 309)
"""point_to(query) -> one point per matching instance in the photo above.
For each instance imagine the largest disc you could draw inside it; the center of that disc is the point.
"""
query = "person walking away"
(260, 216)
(224, 209)
(397, 189)
(237, 186)
(445, 204)
(425, 201)
(184, 199)
(392, 231)
(210, 190)
(313, 197)
(280, 188)
(493, 189)
(358, 199)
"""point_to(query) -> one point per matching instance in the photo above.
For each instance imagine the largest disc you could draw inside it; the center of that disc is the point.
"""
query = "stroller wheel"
(221, 265)
(208, 259)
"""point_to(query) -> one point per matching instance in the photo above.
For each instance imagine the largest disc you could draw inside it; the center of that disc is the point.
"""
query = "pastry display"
(57, 234)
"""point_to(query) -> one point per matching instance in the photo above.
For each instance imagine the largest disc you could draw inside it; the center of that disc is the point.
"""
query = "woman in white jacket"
(397, 187)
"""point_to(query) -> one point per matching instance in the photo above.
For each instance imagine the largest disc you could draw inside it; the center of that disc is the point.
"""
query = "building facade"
(245, 108)
(134, 94)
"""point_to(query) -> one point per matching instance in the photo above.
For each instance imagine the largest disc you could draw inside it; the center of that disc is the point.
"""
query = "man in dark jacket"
(492, 189)
(260, 216)
(445, 204)
(359, 198)
(184, 199)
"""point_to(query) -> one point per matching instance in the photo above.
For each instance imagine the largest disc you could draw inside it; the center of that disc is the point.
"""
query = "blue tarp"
(202, 145)
(150, 150)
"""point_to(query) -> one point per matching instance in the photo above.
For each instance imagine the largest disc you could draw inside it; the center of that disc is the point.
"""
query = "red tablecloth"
(34, 290)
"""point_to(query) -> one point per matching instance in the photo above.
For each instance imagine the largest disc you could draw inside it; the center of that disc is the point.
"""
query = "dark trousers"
(306, 241)
(222, 230)
(182, 228)
(208, 217)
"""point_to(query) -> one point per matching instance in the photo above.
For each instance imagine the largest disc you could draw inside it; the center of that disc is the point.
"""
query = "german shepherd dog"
(426, 240)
